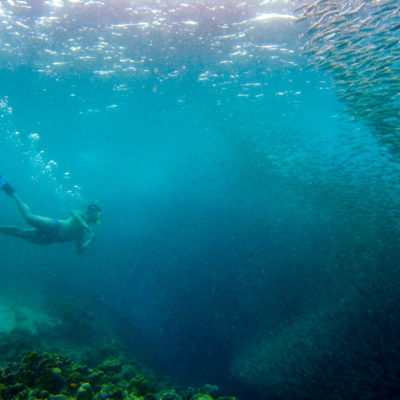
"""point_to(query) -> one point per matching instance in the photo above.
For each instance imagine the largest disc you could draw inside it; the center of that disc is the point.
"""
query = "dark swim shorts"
(50, 234)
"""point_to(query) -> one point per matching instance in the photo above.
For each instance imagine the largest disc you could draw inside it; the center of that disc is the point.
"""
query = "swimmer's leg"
(27, 234)
(32, 219)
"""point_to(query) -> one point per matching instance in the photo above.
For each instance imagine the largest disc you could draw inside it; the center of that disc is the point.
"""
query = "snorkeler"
(47, 230)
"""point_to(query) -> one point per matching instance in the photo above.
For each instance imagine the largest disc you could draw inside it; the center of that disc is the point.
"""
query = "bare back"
(71, 229)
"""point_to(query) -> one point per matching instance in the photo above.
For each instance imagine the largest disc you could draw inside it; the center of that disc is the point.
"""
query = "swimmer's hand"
(78, 216)
(82, 244)
(87, 228)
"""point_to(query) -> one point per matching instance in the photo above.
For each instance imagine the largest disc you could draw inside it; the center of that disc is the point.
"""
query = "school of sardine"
(358, 43)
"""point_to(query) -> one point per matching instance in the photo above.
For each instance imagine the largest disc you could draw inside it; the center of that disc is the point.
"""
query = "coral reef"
(41, 375)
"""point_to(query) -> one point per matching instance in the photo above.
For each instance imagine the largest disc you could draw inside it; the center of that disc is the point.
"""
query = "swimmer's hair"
(93, 208)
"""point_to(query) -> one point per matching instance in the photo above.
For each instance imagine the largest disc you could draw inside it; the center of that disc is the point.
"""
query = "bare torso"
(70, 229)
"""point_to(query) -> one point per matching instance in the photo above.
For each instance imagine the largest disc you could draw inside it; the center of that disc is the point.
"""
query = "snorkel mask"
(96, 210)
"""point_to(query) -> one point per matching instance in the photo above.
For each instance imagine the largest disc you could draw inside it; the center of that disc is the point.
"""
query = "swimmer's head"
(93, 213)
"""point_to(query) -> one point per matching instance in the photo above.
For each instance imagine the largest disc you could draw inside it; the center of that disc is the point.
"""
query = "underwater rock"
(212, 390)
(112, 366)
(111, 391)
(207, 392)
(140, 385)
(201, 396)
(75, 377)
(128, 371)
(10, 392)
(15, 343)
(227, 398)
(84, 392)
(168, 395)
(97, 378)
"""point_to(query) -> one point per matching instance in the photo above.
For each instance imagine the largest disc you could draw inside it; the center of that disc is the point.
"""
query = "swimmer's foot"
(4, 185)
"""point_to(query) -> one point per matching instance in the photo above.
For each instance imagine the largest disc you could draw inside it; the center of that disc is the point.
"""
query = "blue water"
(242, 212)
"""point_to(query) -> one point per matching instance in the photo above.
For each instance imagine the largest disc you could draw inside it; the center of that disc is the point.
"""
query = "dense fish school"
(357, 42)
